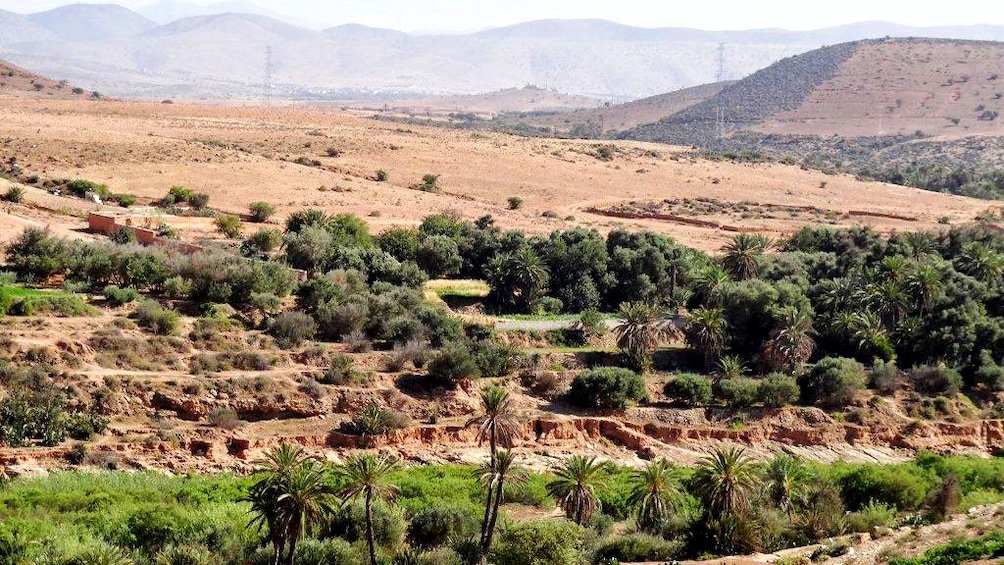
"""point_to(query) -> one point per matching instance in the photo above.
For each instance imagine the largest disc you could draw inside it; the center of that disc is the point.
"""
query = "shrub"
(688, 389)
(159, 320)
(637, 548)
(125, 200)
(515, 202)
(430, 183)
(904, 487)
(341, 371)
(453, 365)
(778, 390)
(373, 419)
(540, 542)
(435, 525)
(326, 552)
(349, 523)
(14, 194)
(333, 152)
(290, 329)
(263, 241)
(123, 236)
(260, 212)
(884, 376)
(936, 381)
(32, 415)
(382, 176)
(229, 225)
(118, 296)
(833, 382)
(225, 418)
(83, 426)
(608, 387)
(874, 515)
(739, 392)
(198, 200)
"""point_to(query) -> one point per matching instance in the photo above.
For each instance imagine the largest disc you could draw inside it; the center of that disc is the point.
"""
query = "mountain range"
(223, 55)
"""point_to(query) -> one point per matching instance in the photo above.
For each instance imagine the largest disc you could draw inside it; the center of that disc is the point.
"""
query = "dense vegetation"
(671, 512)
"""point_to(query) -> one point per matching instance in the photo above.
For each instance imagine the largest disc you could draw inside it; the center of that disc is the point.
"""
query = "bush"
(904, 486)
(739, 392)
(515, 202)
(540, 542)
(637, 548)
(936, 381)
(884, 377)
(14, 194)
(326, 552)
(263, 241)
(373, 420)
(349, 523)
(452, 365)
(225, 418)
(778, 390)
(688, 389)
(608, 387)
(125, 200)
(435, 525)
(260, 212)
(290, 329)
(198, 200)
(159, 320)
(875, 515)
(382, 176)
(229, 225)
(833, 382)
(341, 371)
(83, 426)
(118, 296)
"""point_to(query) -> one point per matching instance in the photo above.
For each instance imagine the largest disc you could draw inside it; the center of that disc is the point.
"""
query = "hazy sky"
(466, 15)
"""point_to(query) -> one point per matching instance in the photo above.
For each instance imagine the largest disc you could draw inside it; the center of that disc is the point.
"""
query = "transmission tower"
(719, 77)
(267, 85)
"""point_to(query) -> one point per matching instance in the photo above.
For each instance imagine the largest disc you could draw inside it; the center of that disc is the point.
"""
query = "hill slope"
(923, 112)
(15, 28)
(15, 81)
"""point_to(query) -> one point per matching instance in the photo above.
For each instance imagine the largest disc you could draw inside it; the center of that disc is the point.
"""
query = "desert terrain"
(243, 154)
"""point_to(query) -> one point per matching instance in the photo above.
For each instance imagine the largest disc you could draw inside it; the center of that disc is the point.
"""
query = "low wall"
(107, 224)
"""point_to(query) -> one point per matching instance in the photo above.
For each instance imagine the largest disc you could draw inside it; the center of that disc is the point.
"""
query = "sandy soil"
(243, 154)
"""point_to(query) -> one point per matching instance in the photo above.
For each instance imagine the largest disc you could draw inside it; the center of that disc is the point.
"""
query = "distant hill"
(220, 56)
(924, 112)
(526, 99)
(92, 22)
(610, 119)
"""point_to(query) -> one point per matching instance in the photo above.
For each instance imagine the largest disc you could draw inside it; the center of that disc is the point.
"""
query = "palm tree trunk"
(488, 513)
(369, 527)
(293, 537)
(490, 532)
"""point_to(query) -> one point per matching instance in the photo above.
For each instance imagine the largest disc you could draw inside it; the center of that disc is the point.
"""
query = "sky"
(469, 15)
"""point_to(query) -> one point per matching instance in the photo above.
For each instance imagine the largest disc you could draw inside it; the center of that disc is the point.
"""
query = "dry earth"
(243, 154)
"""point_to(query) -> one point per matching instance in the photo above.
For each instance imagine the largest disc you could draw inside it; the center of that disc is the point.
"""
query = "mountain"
(92, 22)
(15, 28)
(222, 56)
(167, 11)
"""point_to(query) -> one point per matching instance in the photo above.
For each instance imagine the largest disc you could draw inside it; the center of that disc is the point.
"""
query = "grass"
(21, 301)
(468, 288)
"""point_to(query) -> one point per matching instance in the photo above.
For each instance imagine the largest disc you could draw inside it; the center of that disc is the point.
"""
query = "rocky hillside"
(15, 81)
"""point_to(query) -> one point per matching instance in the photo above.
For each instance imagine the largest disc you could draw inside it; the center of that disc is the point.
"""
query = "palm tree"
(705, 333)
(919, 244)
(729, 367)
(311, 217)
(517, 280)
(641, 330)
(725, 481)
(498, 424)
(790, 344)
(981, 262)
(366, 476)
(652, 494)
(575, 484)
(292, 494)
(786, 480)
(742, 255)
(494, 476)
(711, 284)
(926, 284)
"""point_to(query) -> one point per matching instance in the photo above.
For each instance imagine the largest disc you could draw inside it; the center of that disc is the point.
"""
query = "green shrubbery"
(833, 382)
(608, 387)
(689, 390)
